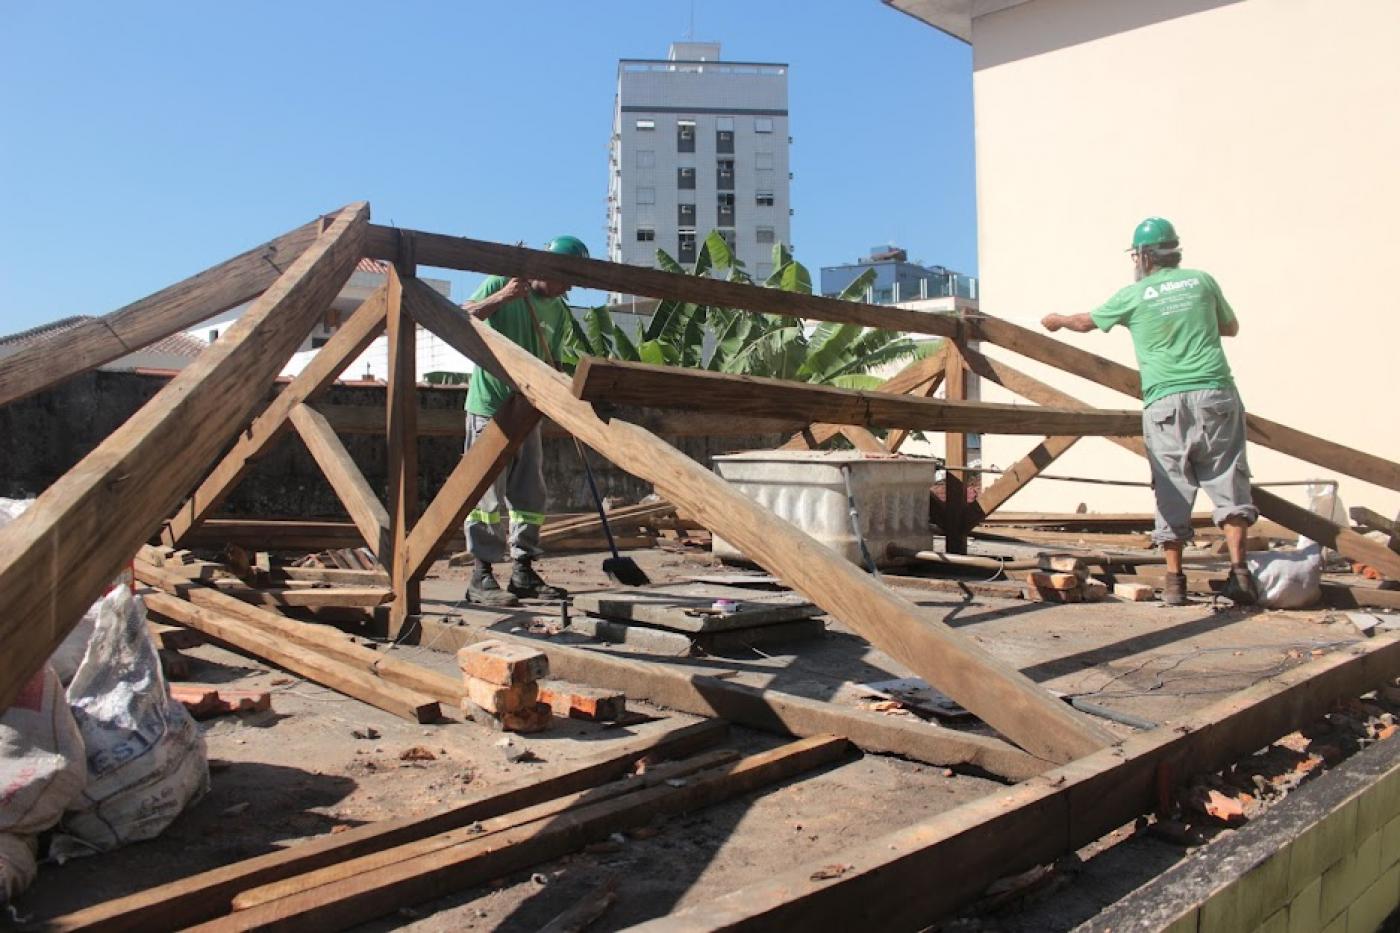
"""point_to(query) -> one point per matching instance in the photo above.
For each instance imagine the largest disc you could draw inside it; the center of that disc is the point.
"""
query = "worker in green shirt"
(526, 311)
(1193, 421)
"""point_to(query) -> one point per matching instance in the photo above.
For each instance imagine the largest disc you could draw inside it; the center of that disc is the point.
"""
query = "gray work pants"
(1195, 440)
(521, 487)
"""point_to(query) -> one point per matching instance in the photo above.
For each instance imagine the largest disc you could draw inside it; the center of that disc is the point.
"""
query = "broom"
(621, 570)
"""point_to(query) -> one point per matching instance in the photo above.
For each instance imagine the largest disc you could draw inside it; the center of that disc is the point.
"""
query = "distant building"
(698, 144)
(897, 279)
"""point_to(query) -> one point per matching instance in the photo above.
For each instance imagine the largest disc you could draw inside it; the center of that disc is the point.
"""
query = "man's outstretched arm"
(1079, 323)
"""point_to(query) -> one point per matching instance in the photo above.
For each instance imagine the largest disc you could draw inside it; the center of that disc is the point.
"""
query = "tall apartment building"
(698, 144)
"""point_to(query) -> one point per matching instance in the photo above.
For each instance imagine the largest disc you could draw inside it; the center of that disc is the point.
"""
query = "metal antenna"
(690, 35)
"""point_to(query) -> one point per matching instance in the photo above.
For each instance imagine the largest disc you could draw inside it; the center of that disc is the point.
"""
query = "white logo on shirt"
(1150, 293)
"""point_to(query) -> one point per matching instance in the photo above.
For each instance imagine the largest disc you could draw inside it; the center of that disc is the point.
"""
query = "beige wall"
(1268, 131)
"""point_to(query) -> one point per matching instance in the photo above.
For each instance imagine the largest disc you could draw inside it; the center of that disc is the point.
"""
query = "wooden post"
(58, 556)
(955, 447)
(954, 663)
(402, 431)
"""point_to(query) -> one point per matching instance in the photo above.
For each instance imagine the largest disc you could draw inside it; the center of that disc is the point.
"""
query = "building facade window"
(724, 175)
(685, 246)
(763, 198)
(685, 215)
(726, 209)
(763, 124)
(724, 123)
(685, 177)
(765, 235)
(645, 125)
(724, 141)
(646, 158)
(646, 195)
(685, 136)
(646, 234)
(762, 160)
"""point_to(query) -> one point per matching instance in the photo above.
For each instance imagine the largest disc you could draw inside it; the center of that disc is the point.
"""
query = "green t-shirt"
(1175, 316)
(486, 393)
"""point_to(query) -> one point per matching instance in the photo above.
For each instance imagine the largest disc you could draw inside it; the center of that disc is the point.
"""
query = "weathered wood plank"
(468, 482)
(358, 331)
(449, 422)
(355, 900)
(680, 687)
(953, 663)
(402, 433)
(895, 439)
(58, 556)
(305, 662)
(954, 521)
(921, 377)
(350, 485)
(49, 360)
(1014, 479)
(210, 893)
(627, 383)
(886, 885)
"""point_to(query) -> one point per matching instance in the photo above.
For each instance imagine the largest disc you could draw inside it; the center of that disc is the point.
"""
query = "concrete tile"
(1321, 846)
(1390, 843)
(1186, 923)
(1375, 903)
(1276, 923)
(1303, 910)
(1263, 890)
(1378, 804)
(1344, 882)
(1225, 912)
(1339, 925)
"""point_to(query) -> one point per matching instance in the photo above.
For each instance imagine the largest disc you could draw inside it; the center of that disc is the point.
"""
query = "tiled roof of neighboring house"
(178, 344)
(43, 330)
(372, 265)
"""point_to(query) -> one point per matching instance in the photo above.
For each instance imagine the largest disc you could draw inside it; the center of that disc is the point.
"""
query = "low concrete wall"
(1325, 858)
(43, 436)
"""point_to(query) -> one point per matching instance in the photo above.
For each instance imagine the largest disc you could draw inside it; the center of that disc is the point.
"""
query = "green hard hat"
(570, 245)
(1154, 231)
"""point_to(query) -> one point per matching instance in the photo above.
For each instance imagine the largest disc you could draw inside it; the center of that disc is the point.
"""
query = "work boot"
(1240, 587)
(485, 591)
(1174, 590)
(526, 584)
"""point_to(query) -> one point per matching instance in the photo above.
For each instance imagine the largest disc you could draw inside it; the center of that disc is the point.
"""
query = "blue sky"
(145, 142)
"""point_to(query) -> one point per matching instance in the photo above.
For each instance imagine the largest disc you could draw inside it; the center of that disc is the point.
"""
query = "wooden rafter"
(1003, 697)
(955, 526)
(1014, 479)
(620, 382)
(349, 484)
(402, 435)
(50, 360)
(348, 342)
(58, 556)
(895, 439)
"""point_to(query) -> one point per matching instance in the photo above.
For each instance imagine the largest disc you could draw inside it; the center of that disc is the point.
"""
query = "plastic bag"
(42, 771)
(146, 759)
(1288, 579)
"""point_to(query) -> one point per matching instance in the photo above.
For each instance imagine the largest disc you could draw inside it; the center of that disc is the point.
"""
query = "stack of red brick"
(1062, 579)
(503, 689)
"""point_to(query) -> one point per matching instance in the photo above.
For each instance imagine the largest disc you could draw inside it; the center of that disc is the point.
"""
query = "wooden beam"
(955, 525)
(895, 439)
(448, 252)
(49, 360)
(305, 662)
(356, 334)
(677, 686)
(862, 439)
(210, 894)
(955, 664)
(364, 597)
(448, 422)
(1346, 460)
(921, 377)
(468, 482)
(58, 556)
(322, 639)
(350, 485)
(621, 382)
(653, 776)
(1375, 521)
(402, 432)
(885, 886)
(268, 534)
(353, 901)
(1017, 476)
(1343, 540)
